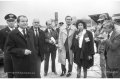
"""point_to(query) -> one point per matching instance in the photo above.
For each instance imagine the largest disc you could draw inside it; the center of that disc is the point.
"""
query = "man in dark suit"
(39, 38)
(20, 44)
(112, 47)
(51, 37)
(8, 65)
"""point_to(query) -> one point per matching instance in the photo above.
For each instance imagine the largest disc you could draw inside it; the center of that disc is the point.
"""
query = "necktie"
(108, 36)
(68, 29)
(36, 39)
(36, 33)
(24, 33)
(66, 42)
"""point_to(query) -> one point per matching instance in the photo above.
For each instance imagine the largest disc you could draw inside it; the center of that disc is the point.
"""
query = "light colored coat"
(61, 42)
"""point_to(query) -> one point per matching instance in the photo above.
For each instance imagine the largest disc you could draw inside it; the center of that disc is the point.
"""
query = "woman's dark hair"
(81, 21)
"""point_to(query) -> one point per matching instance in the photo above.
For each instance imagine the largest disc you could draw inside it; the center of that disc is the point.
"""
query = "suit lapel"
(48, 35)
(64, 31)
(40, 32)
(30, 34)
(33, 31)
(20, 34)
(7, 30)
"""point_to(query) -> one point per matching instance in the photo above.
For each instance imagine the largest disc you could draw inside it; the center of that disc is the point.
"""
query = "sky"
(45, 9)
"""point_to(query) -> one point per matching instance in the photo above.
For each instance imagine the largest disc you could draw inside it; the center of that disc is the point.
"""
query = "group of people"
(107, 38)
(24, 49)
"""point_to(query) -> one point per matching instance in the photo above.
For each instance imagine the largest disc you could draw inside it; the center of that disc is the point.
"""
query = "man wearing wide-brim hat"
(8, 64)
(101, 48)
(102, 17)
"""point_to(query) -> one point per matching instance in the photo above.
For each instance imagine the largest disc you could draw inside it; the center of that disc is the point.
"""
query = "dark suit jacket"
(25, 66)
(86, 50)
(112, 46)
(8, 66)
(3, 33)
(41, 40)
(49, 46)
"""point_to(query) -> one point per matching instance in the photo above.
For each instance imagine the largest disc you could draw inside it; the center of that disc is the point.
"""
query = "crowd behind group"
(25, 48)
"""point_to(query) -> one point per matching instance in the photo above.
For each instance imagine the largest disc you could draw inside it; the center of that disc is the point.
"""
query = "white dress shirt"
(21, 30)
(36, 32)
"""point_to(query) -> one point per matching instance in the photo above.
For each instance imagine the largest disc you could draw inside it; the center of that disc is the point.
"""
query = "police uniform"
(8, 65)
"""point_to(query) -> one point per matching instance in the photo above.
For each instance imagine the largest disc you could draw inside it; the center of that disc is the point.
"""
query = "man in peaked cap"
(102, 17)
(8, 64)
(100, 46)
(10, 17)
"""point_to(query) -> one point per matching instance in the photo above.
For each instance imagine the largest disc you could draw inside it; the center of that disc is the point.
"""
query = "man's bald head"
(36, 22)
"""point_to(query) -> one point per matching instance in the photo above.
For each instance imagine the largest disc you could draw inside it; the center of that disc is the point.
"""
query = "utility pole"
(56, 19)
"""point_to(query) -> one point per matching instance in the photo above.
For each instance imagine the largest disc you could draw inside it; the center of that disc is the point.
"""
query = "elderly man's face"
(49, 24)
(36, 23)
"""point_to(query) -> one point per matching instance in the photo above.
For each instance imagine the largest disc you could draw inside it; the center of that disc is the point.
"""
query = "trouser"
(46, 63)
(69, 66)
(103, 65)
(8, 65)
(79, 71)
(63, 67)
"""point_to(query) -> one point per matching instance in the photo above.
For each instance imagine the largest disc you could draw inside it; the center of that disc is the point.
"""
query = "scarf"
(81, 36)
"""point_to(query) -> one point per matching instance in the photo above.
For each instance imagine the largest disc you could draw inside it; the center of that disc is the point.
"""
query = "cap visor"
(10, 20)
